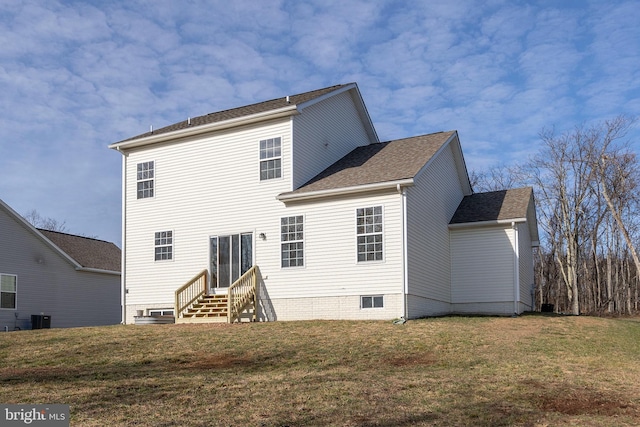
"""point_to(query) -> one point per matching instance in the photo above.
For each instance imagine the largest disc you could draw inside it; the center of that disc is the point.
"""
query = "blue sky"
(76, 76)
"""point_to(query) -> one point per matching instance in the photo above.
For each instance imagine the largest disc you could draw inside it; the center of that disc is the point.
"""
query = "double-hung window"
(144, 180)
(270, 158)
(369, 233)
(163, 245)
(8, 291)
(292, 241)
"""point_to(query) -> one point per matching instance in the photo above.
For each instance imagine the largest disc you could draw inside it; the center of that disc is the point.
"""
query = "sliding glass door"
(230, 257)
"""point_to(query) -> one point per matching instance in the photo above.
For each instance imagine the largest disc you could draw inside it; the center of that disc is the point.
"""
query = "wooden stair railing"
(242, 294)
(190, 292)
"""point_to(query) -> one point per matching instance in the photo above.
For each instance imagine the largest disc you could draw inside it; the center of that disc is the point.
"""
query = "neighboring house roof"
(81, 252)
(397, 161)
(288, 103)
(499, 206)
(88, 252)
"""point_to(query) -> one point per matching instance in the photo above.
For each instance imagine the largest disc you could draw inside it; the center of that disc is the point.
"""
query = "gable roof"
(514, 205)
(88, 252)
(381, 164)
(89, 261)
(279, 107)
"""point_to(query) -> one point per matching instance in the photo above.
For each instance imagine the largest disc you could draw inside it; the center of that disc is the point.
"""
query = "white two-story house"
(293, 209)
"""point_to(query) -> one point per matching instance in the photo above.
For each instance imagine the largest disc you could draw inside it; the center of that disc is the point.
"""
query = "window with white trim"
(292, 241)
(8, 291)
(161, 312)
(163, 245)
(371, 301)
(270, 158)
(369, 233)
(145, 179)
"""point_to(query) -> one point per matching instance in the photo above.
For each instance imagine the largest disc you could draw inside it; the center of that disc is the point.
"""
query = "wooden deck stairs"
(193, 305)
(207, 309)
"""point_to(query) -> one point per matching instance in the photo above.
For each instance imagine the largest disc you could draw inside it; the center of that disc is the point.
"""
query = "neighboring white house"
(339, 225)
(66, 280)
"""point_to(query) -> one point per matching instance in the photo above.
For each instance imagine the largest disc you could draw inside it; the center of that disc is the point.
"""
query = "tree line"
(586, 188)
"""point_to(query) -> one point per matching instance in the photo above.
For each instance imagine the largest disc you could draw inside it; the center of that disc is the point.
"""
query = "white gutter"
(123, 264)
(388, 185)
(98, 270)
(487, 223)
(258, 117)
(516, 268)
(405, 260)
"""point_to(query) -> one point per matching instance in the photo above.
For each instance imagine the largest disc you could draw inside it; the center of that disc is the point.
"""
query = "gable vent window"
(369, 233)
(270, 158)
(8, 291)
(292, 241)
(144, 179)
(164, 245)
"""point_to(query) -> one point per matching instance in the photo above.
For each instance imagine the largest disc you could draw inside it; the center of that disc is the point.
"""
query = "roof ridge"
(73, 235)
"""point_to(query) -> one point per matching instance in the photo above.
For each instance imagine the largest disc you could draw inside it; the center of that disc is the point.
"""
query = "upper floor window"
(270, 158)
(292, 241)
(144, 179)
(163, 245)
(8, 290)
(369, 233)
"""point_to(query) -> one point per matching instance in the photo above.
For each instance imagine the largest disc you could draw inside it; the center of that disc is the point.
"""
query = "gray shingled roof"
(380, 162)
(88, 252)
(246, 110)
(493, 206)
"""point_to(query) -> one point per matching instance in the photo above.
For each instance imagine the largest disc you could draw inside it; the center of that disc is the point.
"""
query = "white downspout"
(405, 261)
(516, 269)
(123, 265)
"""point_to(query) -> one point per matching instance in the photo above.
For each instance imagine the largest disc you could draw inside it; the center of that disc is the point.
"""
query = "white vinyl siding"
(236, 201)
(431, 203)
(324, 133)
(484, 265)
(526, 266)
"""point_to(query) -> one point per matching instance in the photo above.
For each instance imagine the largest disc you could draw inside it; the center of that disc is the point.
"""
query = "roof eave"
(210, 127)
(356, 189)
(474, 224)
(99, 271)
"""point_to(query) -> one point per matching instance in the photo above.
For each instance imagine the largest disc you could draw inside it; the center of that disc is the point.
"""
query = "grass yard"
(452, 371)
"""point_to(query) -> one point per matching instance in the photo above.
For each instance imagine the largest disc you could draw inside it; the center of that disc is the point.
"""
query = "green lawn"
(452, 371)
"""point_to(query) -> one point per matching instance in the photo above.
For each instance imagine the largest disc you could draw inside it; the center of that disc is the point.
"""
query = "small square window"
(372, 301)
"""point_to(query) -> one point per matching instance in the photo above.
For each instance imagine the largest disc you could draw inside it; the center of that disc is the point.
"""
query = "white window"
(8, 291)
(163, 245)
(371, 301)
(270, 158)
(161, 312)
(369, 233)
(144, 179)
(292, 241)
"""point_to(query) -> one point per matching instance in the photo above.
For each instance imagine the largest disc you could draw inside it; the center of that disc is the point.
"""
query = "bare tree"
(51, 224)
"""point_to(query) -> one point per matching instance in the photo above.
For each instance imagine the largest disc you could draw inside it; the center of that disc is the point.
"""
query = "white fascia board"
(225, 124)
(388, 185)
(98, 270)
(487, 223)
